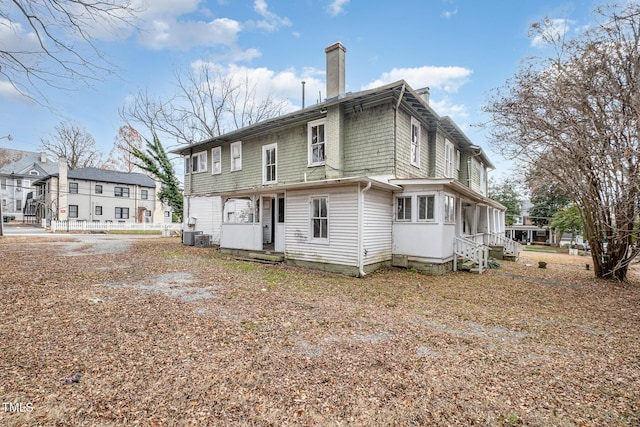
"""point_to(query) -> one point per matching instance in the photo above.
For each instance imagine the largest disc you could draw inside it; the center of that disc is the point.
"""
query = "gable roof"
(22, 162)
(104, 175)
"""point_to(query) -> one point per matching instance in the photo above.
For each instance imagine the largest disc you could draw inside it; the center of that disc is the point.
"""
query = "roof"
(22, 162)
(104, 175)
(396, 90)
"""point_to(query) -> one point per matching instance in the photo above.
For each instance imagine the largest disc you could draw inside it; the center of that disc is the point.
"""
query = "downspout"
(361, 248)
(395, 127)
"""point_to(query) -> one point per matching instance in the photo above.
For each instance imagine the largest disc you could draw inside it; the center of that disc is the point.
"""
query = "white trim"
(310, 126)
(435, 207)
(199, 160)
(312, 239)
(266, 148)
(414, 153)
(216, 170)
(448, 158)
(239, 152)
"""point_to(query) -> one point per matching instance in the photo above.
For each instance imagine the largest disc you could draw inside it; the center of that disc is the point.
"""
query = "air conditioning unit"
(188, 237)
(203, 240)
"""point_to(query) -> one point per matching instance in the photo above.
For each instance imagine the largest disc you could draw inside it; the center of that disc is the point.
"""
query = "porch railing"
(511, 247)
(467, 248)
(57, 226)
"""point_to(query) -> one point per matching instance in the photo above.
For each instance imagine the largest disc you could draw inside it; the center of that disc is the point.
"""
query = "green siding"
(404, 168)
(368, 141)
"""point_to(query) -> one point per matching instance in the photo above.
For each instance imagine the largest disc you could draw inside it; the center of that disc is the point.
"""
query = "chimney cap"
(334, 46)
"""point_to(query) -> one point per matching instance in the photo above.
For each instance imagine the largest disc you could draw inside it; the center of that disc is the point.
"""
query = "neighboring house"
(360, 181)
(525, 231)
(18, 171)
(99, 195)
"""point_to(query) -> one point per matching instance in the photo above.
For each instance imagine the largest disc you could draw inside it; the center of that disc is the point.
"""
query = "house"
(99, 195)
(525, 231)
(359, 181)
(18, 171)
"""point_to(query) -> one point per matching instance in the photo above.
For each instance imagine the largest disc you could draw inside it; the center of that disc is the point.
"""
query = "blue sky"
(461, 49)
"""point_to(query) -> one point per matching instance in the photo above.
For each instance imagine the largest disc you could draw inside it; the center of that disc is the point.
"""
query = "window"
(18, 205)
(458, 161)
(281, 210)
(3, 183)
(199, 162)
(147, 213)
(316, 137)
(33, 172)
(269, 172)
(403, 209)
(236, 156)
(144, 194)
(426, 205)
(319, 218)
(121, 191)
(73, 188)
(449, 209)
(98, 210)
(167, 214)
(19, 184)
(98, 189)
(73, 211)
(448, 159)
(216, 160)
(122, 213)
(415, 142)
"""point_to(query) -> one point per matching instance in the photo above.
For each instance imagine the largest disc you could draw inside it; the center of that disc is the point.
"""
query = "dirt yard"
(151, 332)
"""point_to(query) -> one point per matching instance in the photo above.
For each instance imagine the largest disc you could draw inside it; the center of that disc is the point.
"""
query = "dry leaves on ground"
(152, 332)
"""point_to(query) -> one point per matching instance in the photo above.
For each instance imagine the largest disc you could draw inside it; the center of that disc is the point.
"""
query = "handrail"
(469, 249)
(511, 247)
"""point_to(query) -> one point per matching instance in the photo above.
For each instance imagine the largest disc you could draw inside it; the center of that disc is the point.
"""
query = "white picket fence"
(165, 228)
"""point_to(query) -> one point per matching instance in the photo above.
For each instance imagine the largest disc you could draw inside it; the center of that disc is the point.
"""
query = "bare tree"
(120, 157)
(73, 142)
(53, 42)
(576, 118)
(207, 103)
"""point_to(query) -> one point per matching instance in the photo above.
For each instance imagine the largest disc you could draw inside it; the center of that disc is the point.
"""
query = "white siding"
(377, 226)
(208, 214)
(342, 245)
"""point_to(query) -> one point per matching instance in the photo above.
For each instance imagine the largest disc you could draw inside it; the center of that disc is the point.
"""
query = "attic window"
(316, 142)
(33, 172)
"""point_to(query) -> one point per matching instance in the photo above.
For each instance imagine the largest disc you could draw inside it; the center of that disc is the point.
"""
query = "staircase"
(475, 254)
(512, 248)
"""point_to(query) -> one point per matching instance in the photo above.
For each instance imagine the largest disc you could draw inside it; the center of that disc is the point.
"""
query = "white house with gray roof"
(18, 171)
(99, 195)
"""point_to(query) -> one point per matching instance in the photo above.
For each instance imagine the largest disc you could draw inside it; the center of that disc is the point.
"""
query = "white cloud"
(444, 107)
(449, 79)
(336, 7)
(10, 93)
(271, 21)
(449, 13)
(163, 34)
(551, 29)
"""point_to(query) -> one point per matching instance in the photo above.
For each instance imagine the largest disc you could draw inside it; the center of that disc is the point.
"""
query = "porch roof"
(265, 189)
(453, 185)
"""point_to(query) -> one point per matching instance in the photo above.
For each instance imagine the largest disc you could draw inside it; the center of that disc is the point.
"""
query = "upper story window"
(403, 208)
(144, 194)
(199, 162)
(73, 188)
(269, 158)
(426, 208)
(316, 142)
(236, 156)
(98, 189)
(3, 183)
(18, 184)
(480, 173)
(216, 160)
(34, 172)
(449, 153)
(121, 192)
(415, 142)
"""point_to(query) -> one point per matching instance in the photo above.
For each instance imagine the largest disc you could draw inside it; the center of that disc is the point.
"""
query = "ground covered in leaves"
(151, 332)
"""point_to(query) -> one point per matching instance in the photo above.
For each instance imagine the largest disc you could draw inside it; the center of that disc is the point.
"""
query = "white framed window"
(144, 194)
(458, 161)
(98, 210)
(199, 162)
(216, 160)
(122, 213)
(415, 142)
(316, 142)
(403, 208)
(269, 160)
(73, 188)
(320, 219)
(73, 211)
(426, 208)
(236, 156)
(449, 152)
(449, 209)
(121, 192)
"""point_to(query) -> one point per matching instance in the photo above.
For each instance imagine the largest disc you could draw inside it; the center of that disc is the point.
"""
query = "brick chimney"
(335, 70)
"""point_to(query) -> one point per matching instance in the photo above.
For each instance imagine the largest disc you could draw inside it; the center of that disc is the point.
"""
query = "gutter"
(361, 247)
